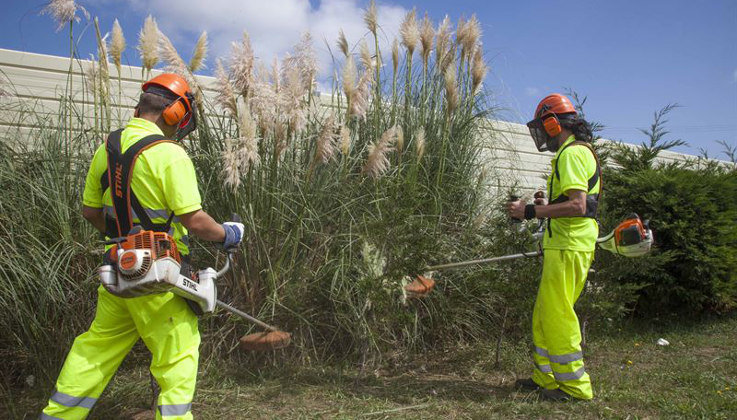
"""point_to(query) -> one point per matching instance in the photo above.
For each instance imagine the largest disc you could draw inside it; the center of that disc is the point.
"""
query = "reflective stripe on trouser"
(555, 329)
(168, 328)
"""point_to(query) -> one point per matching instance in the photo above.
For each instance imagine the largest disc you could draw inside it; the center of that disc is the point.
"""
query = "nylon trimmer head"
(265, 341)
(420, 287)
(272, 339)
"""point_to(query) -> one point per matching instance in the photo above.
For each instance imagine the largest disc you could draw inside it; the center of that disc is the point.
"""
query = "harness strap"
(118, 178)
(592, 201)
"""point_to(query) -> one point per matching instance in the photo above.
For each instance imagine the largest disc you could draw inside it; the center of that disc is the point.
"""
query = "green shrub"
(692, 207)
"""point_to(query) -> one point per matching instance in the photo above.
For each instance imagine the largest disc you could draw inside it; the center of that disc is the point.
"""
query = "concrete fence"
(41, 81)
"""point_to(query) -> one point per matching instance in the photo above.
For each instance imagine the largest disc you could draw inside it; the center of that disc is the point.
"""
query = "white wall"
(42, 79)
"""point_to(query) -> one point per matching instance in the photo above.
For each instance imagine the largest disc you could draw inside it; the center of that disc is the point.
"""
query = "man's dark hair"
(150, 103)
(580, 128)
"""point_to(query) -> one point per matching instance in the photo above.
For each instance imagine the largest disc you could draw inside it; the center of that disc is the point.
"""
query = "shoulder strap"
(119, 173)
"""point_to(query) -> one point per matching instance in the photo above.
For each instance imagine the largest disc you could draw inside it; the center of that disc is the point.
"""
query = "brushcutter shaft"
(484, 261)
(244, 315)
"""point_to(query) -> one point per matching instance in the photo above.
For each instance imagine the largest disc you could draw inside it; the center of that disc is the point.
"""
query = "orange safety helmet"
(180, 111)
(546, 124)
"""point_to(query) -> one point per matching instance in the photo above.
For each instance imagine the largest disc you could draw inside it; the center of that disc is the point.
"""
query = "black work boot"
(526, 384)
(557, 395)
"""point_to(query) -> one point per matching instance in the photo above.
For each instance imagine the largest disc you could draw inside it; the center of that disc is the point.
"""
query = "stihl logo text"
(189, 283)
(118, 180)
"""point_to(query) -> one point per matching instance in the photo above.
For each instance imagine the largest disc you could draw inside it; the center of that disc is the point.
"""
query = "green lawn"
(694, 377)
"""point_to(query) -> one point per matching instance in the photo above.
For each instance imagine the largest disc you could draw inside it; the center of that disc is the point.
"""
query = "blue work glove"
(233, 234)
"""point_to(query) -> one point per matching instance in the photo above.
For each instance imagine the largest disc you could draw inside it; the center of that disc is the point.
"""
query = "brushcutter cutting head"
(265, 341)
(420, 287)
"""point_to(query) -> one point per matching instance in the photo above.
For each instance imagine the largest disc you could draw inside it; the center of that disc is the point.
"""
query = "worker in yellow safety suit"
(574, 186)
(163, 196)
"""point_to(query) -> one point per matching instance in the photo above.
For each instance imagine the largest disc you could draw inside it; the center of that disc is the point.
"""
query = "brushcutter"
(147, 262)
(631, 238)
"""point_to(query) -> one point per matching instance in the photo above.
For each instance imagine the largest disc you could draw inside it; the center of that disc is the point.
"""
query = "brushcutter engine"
(148, 262)
(631, 238)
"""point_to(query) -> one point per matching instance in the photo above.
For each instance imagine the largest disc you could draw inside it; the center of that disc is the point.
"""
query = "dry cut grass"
(694, 377)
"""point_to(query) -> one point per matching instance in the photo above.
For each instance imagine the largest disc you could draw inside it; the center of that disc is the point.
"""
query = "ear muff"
(174, 113)
(552, 125)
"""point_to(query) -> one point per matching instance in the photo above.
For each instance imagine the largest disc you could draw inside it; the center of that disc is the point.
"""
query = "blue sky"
(629, 57)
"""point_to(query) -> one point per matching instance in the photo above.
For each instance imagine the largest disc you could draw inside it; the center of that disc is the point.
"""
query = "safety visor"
(189, 122)
(539, 136)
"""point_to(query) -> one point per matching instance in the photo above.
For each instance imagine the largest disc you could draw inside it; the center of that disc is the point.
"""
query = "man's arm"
(203, 226)
(574, 207)
(95, 217)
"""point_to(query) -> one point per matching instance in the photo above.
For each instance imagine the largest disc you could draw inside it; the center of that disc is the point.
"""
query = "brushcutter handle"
(226, 267)
(229, 251)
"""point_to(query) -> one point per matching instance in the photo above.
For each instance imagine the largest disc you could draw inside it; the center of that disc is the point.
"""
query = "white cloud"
(532, 91)
(274, 26)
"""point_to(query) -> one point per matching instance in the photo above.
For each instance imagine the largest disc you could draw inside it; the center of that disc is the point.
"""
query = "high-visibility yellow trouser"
(168, 328)
(555, 330)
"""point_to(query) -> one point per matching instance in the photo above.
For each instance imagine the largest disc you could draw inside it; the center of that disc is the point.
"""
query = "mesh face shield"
(188, 123)
(542, 140)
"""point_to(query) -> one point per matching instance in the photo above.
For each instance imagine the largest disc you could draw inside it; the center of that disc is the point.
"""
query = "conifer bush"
(692, 207)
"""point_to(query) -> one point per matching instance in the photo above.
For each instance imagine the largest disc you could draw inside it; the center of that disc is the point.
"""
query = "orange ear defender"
(180, 111)
(174, 113)
(552, 125)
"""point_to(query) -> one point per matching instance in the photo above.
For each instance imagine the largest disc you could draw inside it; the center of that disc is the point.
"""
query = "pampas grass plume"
(200, 53)
(63, 12)
(343, 43)
(325, 146)
(427, 33)
(241, 65)
(148, 43)
(349, 78)
(410, 32)
(461, 31)
(117, 44)
(451, 88)
(395, 55)
(442, 41)
(478, 69)
(91, 74)
(370, 17)
(169, 54)
(360, 99)
(400, 138)
(366, 60)
(225, 96)
(377, 162)
(420, 143)
(345, 140)
(231, 164)
(473, 35)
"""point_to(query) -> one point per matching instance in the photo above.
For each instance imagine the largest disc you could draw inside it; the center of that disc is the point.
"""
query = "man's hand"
(575, 206)
(540, 199)
(516, 209)
(233, 234)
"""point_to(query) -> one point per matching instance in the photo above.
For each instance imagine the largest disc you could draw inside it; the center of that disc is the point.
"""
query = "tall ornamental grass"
(343, 195)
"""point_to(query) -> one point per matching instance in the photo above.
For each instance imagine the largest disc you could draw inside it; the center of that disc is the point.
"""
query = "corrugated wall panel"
(41, 80)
